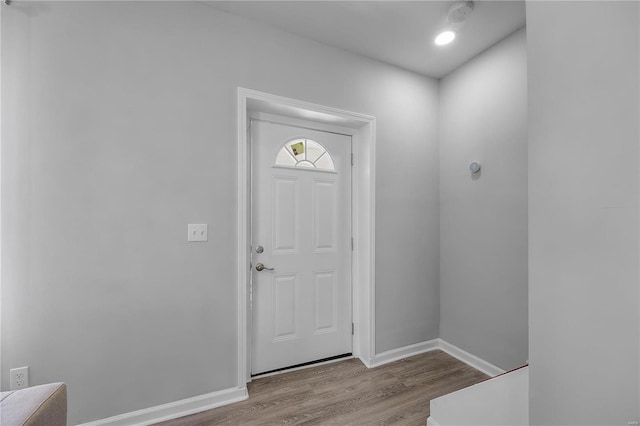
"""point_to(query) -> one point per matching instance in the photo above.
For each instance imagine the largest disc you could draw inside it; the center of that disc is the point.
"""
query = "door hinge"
(352, 158)
(352, 243)
(353, 329)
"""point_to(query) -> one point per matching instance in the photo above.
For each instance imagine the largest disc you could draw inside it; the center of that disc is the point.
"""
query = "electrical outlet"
(19, 378)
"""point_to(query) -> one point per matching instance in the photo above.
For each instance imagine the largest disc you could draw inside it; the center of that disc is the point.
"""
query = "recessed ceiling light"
(445, 37)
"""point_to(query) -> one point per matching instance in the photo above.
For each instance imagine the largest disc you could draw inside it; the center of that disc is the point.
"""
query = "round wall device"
(474, 167)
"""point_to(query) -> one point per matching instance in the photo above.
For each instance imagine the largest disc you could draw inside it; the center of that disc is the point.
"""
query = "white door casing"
(301, 217)
(362, 128)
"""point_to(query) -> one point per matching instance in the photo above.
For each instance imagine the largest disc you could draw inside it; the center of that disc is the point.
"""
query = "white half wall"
(500, 401)
(584, 97)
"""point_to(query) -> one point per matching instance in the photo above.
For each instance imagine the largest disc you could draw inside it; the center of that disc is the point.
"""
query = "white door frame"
(362, 129)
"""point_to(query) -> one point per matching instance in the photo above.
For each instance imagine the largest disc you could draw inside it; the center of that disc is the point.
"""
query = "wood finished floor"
(345, 393)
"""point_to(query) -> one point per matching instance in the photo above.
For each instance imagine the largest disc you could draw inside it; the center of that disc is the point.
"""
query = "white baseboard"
(173, 410)
(400, 353)
(430, 345)
(188, 406)
(470, 359)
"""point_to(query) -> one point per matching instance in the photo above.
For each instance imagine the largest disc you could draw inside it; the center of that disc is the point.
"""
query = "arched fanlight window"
(305, 153)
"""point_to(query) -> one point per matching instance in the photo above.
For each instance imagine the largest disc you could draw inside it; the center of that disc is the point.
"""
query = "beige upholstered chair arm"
(44, 405)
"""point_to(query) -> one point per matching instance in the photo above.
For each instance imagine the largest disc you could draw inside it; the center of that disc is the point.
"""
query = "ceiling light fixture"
(445, 37)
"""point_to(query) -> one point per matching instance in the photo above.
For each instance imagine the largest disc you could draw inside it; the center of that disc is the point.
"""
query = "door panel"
(284, 306)
(326, 302)
(284, 214)
(324, 214)
(301, 216)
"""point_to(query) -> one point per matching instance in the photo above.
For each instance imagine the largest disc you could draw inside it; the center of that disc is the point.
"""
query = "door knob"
(260, 267)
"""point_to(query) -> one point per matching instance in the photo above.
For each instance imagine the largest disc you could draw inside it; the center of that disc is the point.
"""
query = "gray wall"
(483, 217)
(118, 130)
(583, 69)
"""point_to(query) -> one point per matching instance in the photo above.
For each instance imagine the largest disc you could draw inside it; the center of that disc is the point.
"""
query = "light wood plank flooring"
(345, 393)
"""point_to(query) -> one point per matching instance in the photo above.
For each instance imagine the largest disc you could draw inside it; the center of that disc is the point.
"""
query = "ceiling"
(400, 33)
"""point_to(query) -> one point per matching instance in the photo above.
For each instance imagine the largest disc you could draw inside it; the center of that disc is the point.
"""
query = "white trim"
(304, 124)
(363, 229)
(470, 359)
(1, 149)
(174, 410)
(430, 345)
(431, 422)
(363, 131)
(404, 352)
(243, 255)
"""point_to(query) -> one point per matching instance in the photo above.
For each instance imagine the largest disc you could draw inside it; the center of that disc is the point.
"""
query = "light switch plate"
(197, 232)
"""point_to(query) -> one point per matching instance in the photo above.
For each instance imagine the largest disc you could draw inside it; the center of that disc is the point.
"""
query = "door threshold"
(303, 365)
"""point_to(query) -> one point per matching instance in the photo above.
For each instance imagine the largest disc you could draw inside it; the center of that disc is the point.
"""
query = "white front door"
(301, 245)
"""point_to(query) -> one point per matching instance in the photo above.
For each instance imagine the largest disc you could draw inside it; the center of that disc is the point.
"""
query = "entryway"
(327, 319)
